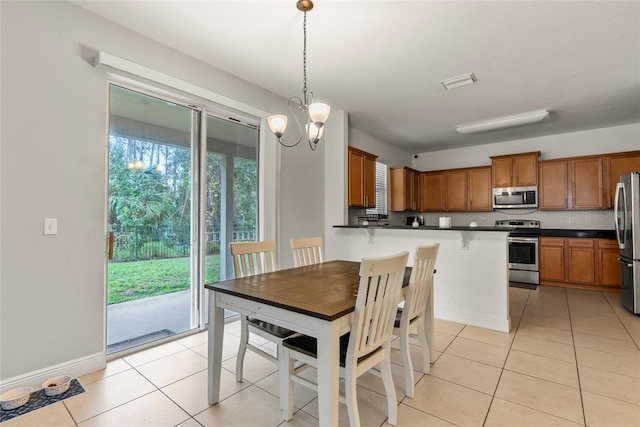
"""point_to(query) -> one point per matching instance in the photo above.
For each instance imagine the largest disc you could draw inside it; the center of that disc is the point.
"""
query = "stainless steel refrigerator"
(627, 214)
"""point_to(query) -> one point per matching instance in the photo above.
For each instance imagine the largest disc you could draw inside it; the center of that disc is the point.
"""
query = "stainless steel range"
(523, 250)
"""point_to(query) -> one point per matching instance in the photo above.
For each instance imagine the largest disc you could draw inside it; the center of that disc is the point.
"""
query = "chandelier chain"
(304, 58)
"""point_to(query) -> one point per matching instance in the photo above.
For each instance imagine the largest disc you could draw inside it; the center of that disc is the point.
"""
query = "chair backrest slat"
(307, 251)
(421, 280)
(376, 304)
(251, 258)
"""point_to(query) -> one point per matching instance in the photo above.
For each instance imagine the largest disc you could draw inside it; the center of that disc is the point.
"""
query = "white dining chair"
(416, 316)
(249, 259)
(366, 346)
(307, 251)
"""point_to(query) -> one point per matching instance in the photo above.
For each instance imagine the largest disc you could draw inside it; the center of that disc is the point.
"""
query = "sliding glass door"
(176, 199)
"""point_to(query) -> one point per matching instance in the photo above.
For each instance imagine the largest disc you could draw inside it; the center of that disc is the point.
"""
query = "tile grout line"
(575, 354)
(515, 332)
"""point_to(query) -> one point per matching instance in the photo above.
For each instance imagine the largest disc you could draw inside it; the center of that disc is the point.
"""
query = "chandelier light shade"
(316, 113)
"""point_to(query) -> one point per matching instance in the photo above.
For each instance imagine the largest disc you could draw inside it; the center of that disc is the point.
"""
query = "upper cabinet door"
(432, 191)
(480, 189)
(502, 170)
(362, 178)
(525, 169)
(356, 179)
(615, 166)
(553, 184)
(586, 183)
(515, 170)
(404, 189)
(457, 190)
(369, 182)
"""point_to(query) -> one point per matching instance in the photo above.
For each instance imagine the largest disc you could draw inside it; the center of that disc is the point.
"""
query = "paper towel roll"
(445, 222)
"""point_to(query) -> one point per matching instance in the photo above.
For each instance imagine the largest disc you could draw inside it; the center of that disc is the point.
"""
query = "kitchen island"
(471, 285)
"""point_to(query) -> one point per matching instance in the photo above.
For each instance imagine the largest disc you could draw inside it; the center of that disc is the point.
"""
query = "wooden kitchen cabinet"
(515, 170)
(574, 183)
(362, 178)
(554, 184)
(405, 190)
(608, 265)
(480, 198)
(586, 183)
(616, 165)
(582, 262)
(456, 190)
(552, 259)
(581, 266)
(433, 192)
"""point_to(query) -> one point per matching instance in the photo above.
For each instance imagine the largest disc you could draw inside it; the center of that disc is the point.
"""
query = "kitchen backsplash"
(575, 220)
(592, 220)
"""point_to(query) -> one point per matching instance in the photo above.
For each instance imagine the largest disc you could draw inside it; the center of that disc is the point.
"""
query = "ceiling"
(382, 61)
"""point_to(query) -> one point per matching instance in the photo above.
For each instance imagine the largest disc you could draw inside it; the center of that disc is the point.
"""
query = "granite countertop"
(426, 227)
(591, 234)
(544, 232)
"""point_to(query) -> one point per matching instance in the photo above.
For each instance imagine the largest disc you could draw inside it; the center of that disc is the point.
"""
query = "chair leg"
(352, 400)
(242, 350)
(429, 327)
(392, 404)
(285, 365)
(426, 348)
(406, 361)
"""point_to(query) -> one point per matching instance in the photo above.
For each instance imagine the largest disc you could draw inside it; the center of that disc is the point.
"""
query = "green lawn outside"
(129, 281)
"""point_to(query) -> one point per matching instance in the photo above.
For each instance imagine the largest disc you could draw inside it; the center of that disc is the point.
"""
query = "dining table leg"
(328, 373)
(214, 348)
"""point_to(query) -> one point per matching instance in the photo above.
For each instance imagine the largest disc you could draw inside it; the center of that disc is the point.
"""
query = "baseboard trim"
(75, 368)
(501, 325)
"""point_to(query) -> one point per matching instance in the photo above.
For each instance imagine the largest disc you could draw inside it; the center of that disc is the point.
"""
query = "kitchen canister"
(445, 222)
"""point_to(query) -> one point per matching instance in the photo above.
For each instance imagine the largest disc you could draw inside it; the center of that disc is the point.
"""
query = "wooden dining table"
(316, 300)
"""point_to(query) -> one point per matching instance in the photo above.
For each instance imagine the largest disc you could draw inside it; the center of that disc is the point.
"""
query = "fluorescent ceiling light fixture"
(465, 79)
(504, 122)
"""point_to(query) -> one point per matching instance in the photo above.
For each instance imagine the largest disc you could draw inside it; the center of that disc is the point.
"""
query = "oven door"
(523, 253)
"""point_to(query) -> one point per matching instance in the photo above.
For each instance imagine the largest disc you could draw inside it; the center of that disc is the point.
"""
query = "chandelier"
(316, 113)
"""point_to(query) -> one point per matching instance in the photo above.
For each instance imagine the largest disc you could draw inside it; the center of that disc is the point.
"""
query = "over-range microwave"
(515, 197)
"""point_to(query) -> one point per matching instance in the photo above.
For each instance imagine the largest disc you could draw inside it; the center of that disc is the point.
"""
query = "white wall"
(53, 164)
(597, 141)
(392, 156)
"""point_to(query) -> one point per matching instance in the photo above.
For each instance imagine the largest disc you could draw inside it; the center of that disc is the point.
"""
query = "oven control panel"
(518, 223)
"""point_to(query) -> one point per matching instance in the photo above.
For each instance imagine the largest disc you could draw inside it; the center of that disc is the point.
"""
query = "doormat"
(144, 339)
(40, 400)
(523, 285)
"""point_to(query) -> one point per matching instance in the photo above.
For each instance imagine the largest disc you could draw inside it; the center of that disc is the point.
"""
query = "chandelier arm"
(313, 130)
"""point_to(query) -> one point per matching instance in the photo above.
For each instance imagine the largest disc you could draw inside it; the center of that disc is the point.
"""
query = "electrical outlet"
(50, 226)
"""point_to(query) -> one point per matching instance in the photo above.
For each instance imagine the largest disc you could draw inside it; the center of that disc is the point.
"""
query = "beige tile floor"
(571, 359)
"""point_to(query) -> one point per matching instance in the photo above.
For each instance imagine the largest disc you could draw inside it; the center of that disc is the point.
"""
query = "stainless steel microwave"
(515, 197)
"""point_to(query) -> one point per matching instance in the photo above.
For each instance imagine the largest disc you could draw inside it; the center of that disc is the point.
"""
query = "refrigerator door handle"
(624, 262)
(620, 193)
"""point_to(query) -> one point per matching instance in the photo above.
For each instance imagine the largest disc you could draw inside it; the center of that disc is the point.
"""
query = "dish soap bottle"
(415, 223)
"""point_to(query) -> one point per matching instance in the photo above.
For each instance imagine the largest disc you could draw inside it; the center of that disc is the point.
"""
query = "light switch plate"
(50, 226)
